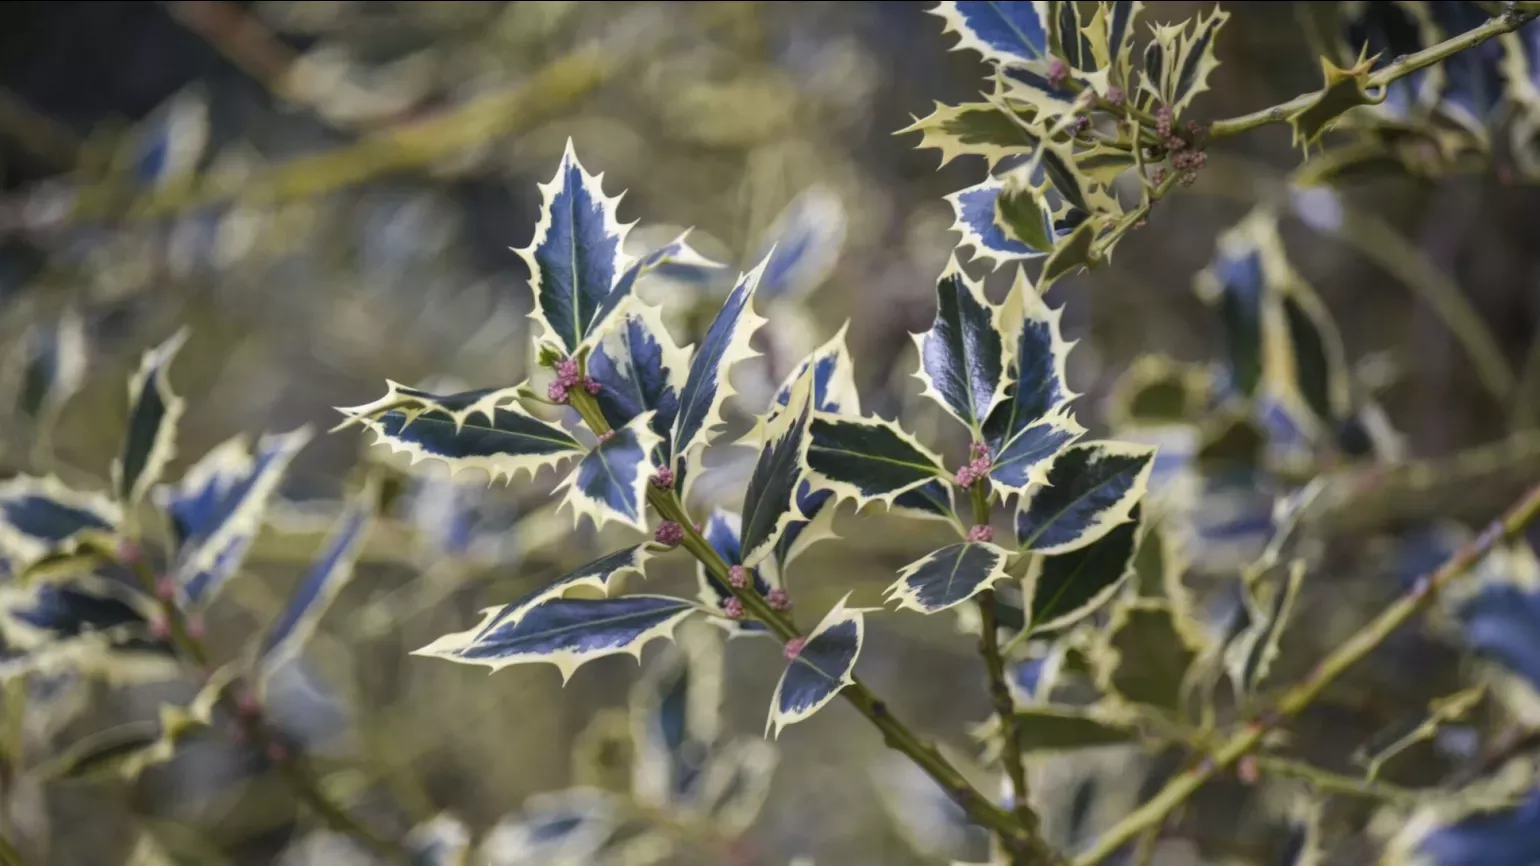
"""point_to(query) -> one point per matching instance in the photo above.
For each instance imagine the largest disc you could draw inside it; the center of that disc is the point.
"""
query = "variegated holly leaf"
(1145, 656)
(1047, 97)
(1302, 846)
(90, 625)
(1001, 227)
(1031, 425)
(1476, 835)
(1235, 286)
(973, 129)
(1250, 656)
(722, 531)
(576, 256)
(676, 255)
(823, 666)
(930, 501)
(676, 720)
(803, 244)
(1002, 32)
(1474, 88)
(40, 517)
(568, 826)
(639, 368)
(442, 841)
(1056, 728)
(737, 782)
(1066, 588)
(924, 814)
(327, 577)
(834, 382)
(565, 632)
(216, 510)
(51, 366)
(153, 414)
(1501, 623)
(962, 357)
(1092, 488)
(1315, 364)
(1074, 252)
(485, 430)
(867, 459)
(610, 482)
(709, 385)
(1179, 60)
(1385, 745)
(1342, 91)
(1069, 35)
(770, 503)
(949, 576)
(819, 508)
(1118, 50)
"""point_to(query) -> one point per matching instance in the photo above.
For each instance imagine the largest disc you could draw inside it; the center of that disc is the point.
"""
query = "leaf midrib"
(427, 417)
(681, 605)
(1054, 518)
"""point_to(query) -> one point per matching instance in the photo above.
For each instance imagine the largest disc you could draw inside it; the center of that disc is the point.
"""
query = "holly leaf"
(575, 258)
(1144, 656)
(1119, 34)
(152, 418)
(610, 482)
(565, 632)
(822, 667)
(1066, 588)
(708, 386)
(442, 841)
(569, 826)
(834, 383)
(676, 720)
(1048, 97)
(1002, 228)
(51, 366)
(1032, 424)
(1180, 59)
(803, 244)
(737, 782)
(770, 503)
(973, 129)
(962, 357)
(327, 577)
(930, 501)
(1250, 657)
(639, 368)
(1055, 728)
(1092, 488)
(949, 576)
(42, 517)
(1234, 285)
(1501, 623)
(676, 254)
(1011, 32)
(1342, 91)
(1067, 35)
(867, 459)
(485, 429)
(216, 510)
(1315, 365)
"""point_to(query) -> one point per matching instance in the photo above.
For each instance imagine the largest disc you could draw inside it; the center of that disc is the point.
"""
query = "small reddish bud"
(1248, 771)
(981, 532)
(277, 753)
(556, 392)
(246, 704)
(590, 386)
(779, 599)
(978, 449)
(1140, 223)
(1163, 122)
(165, 589)
(195, 628)
(1115, 96)
(663, 479)
(965, 477)
(606, 435)
(1189, 178)
(128, 550)
(567, 372)
(1057, 72)
(794, 647)
(738, 577)
(669, 533)
(733, 608)
(1082, 124)
(159, 628)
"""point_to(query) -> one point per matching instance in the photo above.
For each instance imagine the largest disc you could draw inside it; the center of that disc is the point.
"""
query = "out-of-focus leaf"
(566, 827)
(1500, 837)
(803, 244)
(867, 459)
(442, 841)
(1250, 656)
(565, 632)
(1387, 744)
(709, 383)
(153, 414)
(1315, 365)
(1070, 586)
(1092, 488)
(576, 256)
(825, 665)
(50, 366)
(40, 517)
(1474, 89)
(962, 356)
(485, 430)
(676, 720)
(1049, 728)
(949, 576)
(1235, 285)
(1145, 656)
(923, 813)
(737, 782)
(1502, 623)
(1002, 32)
(610, 482)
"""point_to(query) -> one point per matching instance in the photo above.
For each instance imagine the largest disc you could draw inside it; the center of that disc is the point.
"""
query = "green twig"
(1296, 699)
(9, 856)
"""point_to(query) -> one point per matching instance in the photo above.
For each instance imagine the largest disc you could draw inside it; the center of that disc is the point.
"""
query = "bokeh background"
(374, 163)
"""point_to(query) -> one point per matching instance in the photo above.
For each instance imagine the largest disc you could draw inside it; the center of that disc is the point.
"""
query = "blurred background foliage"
(326, 193)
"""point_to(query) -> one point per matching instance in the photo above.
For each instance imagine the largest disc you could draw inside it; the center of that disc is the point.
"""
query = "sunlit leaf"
(1068, 587)
(770, 502)
(152, 418)
(639, 368)
(486, 430)
(1342, 91)
(824, 665)
(610, 482)
(1004, 32)
(1067, 37)
(575, 257)
(1092, 488)
(962, 356)
(973, 129)
(984, 227)
(709, 383)
(949, 576)
(867, 459)
(43, 516)
(565, 632)
(327, 577)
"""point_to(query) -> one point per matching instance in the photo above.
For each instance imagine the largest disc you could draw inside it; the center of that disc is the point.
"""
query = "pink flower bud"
(978, 449)
(965, 477)
(1115, 95)
(159, 628)
(779, 599)
(195, 628)
(128, 550)
(733, 608)
(165, 588)
(246, 704)
(590, 386)
(277, 753)
(606, 435)
(567, 371)
(794, 647)
(556, 392)
(669, 533)
(981, 532)
(1057, 72)
(663, 479)
(1248, 771)
(738, 577)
